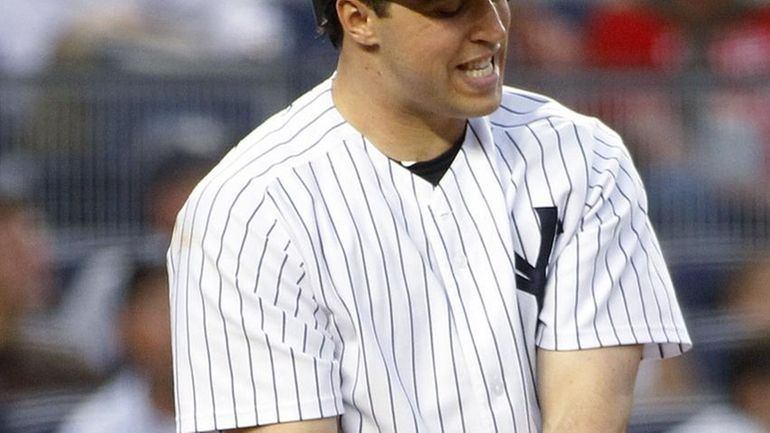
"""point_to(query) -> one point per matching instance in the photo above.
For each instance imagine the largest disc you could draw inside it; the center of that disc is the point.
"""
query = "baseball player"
(413, 247)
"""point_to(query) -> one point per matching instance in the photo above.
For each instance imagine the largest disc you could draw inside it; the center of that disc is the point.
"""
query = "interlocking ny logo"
(531, 279)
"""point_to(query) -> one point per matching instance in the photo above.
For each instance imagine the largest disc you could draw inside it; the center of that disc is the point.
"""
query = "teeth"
(481, 64)
(479, 69)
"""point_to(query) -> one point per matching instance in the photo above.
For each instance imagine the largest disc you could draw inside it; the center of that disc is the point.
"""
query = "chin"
(483, 107)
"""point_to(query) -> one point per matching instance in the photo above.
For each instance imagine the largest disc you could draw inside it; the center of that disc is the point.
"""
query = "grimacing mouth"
(478, 64)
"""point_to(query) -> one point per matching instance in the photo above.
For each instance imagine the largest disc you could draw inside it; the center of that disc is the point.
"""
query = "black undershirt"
(433, 170)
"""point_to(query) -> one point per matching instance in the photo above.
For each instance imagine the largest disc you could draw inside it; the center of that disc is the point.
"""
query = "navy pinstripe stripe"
(240, 305)
(296, 382)
(555, 305)
(513, 220)
(278, 280)
(205, 322)
(582, 227)
(542, 162)
(272, 361)
(526, 178)
(454, 369)
(596, 267)
(671, 303)
(175, 336)
(566, 207)
(521, 125)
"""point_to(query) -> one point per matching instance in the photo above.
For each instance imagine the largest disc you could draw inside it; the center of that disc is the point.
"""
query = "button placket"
(498, 388)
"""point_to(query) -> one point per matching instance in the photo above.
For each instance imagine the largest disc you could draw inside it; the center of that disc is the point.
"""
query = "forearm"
(587, 391)
(325, 425)
(595, 418)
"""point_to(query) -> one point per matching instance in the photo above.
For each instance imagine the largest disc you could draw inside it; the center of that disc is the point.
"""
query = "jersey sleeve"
(251, 345)
(608, 284)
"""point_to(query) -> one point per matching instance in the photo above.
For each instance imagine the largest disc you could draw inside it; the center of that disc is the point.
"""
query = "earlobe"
(357, 20)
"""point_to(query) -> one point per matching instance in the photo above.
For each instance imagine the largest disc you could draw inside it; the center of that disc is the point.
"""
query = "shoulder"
(304, 131)
(521, 108)
(558, 152)
(528, 114)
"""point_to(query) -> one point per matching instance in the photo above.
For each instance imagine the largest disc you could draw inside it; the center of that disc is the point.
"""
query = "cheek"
(431, 64)
(420, 48)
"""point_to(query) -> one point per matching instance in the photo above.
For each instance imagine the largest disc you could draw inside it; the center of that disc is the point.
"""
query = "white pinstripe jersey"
(312, 276)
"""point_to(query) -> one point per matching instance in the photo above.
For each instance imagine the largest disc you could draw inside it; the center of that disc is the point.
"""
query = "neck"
(394, 129)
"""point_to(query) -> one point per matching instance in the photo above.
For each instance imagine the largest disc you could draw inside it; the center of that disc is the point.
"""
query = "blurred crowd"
(85, 344)
(725, 36)
(37, 34)
(723, 134)
(84, 337)
(729, 37)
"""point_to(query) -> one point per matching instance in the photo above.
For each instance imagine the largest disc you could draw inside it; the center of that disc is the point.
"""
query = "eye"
(448, 9)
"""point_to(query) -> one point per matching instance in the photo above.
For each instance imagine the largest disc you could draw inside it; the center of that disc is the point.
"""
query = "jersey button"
(498, 388)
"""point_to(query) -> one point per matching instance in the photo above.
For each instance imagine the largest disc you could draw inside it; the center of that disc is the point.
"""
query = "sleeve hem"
(656, 346)
(244, 419)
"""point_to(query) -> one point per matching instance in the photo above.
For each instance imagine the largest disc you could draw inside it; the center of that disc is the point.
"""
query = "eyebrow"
(419, 4)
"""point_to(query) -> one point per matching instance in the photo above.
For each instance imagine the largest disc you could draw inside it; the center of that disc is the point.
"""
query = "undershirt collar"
(434, 169)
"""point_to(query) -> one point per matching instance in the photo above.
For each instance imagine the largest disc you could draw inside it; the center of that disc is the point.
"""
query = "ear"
(357, 20)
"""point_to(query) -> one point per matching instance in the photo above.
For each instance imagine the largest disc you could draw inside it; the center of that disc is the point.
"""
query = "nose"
(492, 21)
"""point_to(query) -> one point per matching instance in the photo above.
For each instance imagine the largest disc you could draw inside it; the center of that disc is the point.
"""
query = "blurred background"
(111, 111)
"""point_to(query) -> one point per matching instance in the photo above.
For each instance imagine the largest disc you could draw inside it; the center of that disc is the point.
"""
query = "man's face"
(443, 57)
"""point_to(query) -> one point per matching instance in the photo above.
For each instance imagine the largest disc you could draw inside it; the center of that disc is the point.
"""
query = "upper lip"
(491, 52)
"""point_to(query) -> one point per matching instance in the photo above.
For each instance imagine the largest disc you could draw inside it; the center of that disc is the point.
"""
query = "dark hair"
(329, 22)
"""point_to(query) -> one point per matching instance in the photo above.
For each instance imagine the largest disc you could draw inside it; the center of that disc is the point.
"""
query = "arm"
(325, 425)
(245, 319)
(587, 391)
